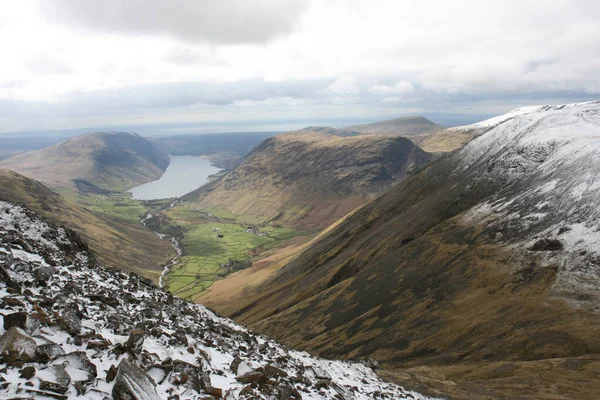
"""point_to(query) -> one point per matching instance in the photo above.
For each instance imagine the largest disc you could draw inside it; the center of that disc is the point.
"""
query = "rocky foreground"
(73, 329)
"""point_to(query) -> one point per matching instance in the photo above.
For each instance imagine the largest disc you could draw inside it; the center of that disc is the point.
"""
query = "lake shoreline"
(183, 175)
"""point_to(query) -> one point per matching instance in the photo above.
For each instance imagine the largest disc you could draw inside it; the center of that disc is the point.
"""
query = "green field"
(119, 206)
(205, 252)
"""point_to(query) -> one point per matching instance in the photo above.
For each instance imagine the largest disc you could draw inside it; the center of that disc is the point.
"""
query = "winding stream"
(174, 242)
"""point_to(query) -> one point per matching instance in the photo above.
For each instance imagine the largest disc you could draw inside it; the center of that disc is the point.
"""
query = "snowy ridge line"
(545, 166)
(76, 331)
(490, 123)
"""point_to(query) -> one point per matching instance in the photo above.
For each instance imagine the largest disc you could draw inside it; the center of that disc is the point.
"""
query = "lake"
(184, 174)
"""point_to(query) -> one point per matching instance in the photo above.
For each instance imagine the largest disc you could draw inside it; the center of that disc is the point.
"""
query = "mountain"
(116, 244)
(405, 126)
(72, 329)
(309, 179)
(95, 162)
(471, 275)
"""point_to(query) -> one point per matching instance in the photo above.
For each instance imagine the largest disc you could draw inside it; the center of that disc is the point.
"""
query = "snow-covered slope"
(547, 164)
(75, 330)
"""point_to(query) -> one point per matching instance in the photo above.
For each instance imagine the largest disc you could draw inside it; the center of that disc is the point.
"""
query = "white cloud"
(401, 88)
(343, 85)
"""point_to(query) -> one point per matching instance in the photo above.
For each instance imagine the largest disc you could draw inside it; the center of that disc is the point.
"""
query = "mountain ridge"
(309, 179)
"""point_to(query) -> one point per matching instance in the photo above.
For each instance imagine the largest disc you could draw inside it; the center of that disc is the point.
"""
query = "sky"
(223, 65)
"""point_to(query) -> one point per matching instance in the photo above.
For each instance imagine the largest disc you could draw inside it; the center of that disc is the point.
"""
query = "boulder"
(49, 352)
(70, 322)
(79, 361)
(28, 372)
(42, 274)
(54, 379)
(131, 383)
(17, 345)
(135, 342)
(21, 320)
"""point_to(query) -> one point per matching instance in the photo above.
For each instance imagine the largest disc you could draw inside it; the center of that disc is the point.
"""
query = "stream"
(174, 242)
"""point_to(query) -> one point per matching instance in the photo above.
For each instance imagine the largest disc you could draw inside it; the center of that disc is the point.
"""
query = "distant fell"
(97, 162)
(404, 126)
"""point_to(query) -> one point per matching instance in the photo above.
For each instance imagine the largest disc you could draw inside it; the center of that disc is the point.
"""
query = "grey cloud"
(218, 21)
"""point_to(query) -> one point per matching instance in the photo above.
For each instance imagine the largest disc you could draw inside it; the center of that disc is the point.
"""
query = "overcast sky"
(287, 63)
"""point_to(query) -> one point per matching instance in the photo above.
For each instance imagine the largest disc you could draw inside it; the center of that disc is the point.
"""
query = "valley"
(364, 246)
(300, 200)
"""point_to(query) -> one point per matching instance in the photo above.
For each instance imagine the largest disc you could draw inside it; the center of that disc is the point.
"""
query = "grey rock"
(55, 379)
(21, 320)
(49, 352)
(42, 274)
(132, 383)
(70, 322)
(17, 345)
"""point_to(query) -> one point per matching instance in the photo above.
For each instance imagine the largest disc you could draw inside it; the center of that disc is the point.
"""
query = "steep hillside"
(94, 162)
(405, 126)
(309, 179)
(487, 260)
(129, 247)
(72, 329)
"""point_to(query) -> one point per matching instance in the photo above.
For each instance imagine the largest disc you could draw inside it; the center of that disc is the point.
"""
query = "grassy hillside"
(115, 243)
(93, 163)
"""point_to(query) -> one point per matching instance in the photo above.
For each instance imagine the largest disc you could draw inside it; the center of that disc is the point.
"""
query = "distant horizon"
(208, 128)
